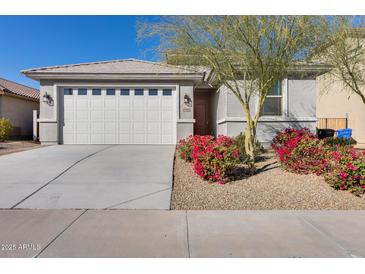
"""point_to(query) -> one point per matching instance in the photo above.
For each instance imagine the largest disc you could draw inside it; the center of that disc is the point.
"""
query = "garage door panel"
(110, 115)
(166, 103)
(166, 115)
(139, 115)
(97, 138)
(96, 115)
(82, 126)
(82, 104)
(69, 116)
(139, 138)
(110, 126)
(167, 139)
(139, 102)
(82, 138)
(97, 103)
(123, 119)
(110, 103)
(166, 128)
(139, 126)
(124, 115)
(125, 126)
(82, 115)
(153, 103)
(153, 115)
(124, 138)
(154, 127)
(95, 126)
(153, 139)
(124, 103)
(69, 103)
(110, 138)
(68, 138)
(69, 126)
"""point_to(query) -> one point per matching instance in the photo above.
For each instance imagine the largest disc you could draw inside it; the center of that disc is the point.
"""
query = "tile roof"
(125, 66)
(11, 87)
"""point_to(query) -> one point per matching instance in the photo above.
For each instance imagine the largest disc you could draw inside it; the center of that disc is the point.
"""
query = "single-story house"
(140, 102)
(17, 103)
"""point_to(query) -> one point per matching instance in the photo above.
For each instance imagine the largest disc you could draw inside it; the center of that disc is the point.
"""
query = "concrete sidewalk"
(149, 233)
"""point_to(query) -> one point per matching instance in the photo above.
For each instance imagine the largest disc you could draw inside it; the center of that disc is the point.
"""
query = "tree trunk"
(250, 140)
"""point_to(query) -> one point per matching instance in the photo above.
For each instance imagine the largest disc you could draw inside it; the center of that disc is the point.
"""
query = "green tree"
(247, 54)
(344, 51)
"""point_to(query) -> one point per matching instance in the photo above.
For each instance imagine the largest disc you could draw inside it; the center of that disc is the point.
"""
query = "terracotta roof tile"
(11, 87)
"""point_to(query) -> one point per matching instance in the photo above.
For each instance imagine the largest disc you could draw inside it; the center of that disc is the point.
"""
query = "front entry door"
(201, 113)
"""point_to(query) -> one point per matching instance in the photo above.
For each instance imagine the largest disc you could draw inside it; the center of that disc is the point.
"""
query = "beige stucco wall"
(48, 129)
(20, 113)
(335, 101)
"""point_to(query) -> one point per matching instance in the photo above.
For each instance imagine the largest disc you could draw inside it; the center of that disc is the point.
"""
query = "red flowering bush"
(289, 138)
(299, 151)
(185, 146)
(212, 159)
(309, 156)
(347, 170)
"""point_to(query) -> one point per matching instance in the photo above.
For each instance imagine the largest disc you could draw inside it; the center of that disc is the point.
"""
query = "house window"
(152, 92)
(166, 92)
(138, 92)
(82, 91)
(273, 101)
(96, 91)
(67, 91)
(124, 92)
(110, 91)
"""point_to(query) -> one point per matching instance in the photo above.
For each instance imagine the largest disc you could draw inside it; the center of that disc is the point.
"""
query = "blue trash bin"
(344, 133)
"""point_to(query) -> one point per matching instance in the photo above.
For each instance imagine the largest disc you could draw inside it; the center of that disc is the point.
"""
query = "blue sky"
(36, 41)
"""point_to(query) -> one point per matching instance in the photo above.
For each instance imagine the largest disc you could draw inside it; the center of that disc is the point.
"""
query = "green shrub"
(5, 129)
(240, 142)
(333, 141)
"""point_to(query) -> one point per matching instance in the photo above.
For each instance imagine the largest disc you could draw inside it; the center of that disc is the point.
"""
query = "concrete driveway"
(88, 177)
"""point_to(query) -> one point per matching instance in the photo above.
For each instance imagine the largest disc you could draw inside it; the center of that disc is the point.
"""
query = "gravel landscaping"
(271, 188)
(16, 146)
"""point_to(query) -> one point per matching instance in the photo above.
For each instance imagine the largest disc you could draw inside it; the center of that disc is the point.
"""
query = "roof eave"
(318, 69)
(310, 69)
(112, 76)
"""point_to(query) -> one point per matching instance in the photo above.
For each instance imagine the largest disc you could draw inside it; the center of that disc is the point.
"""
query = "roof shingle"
(11, 87)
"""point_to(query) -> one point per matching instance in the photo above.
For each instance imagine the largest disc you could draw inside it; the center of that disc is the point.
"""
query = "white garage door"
(119, 116)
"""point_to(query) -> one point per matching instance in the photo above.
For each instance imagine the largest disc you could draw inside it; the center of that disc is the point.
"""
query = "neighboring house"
(17, 103)
(334, 101)
(139, 102)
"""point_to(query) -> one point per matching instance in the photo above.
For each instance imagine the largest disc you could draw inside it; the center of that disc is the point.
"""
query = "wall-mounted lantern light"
(47, 99)
(187, 100)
